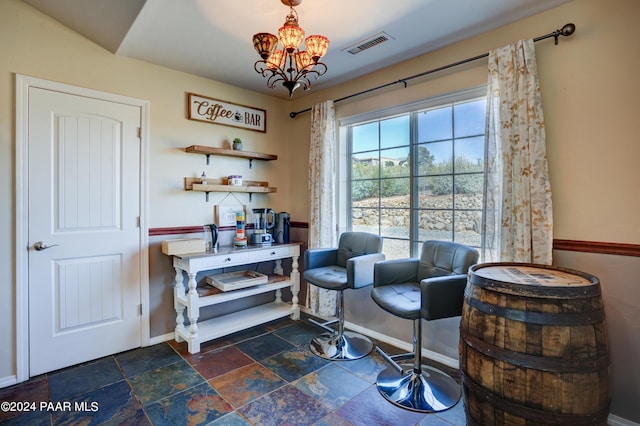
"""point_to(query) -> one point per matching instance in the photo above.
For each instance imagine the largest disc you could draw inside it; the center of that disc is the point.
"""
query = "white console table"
(191, 298)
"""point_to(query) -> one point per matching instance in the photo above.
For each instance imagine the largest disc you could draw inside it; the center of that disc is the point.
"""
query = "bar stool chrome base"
(429, 391)
(348, 346)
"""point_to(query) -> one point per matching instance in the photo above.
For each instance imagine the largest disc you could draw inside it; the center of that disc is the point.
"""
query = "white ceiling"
(212, 38)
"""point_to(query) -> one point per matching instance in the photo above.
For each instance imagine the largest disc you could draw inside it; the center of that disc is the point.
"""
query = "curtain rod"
(567, 30)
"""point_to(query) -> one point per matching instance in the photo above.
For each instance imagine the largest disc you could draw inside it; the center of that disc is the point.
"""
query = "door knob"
(39, 246)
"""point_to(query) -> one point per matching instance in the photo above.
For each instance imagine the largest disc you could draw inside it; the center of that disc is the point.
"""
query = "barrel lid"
(539, 279)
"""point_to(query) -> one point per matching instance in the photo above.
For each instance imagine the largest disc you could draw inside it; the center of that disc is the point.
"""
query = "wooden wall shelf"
(208, 151)
(250, 187)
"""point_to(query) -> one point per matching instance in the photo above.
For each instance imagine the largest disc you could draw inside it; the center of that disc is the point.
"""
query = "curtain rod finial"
(568, 29)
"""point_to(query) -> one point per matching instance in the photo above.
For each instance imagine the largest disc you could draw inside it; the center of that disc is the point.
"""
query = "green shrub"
(392, 182)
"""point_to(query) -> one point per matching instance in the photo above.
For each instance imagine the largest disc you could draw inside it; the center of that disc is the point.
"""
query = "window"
(419, 174)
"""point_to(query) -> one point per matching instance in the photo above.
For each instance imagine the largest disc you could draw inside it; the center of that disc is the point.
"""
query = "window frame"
(345, 204)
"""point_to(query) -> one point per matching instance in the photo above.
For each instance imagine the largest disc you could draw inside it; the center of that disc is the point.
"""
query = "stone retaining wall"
(437, 215)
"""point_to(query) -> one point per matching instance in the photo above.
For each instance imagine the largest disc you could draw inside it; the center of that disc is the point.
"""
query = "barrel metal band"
(535, 362)
(579, 318)
(532, 414)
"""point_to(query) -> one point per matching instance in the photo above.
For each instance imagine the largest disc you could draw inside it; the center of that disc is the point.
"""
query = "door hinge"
(139, 132)
(138, 221)
(140, 309)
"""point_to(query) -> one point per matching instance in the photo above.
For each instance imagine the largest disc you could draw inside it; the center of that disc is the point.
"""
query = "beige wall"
(35, 45)
(590, 103)
(590, 95)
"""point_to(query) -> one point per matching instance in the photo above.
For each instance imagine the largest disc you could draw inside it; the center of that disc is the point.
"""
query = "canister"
(234, 180)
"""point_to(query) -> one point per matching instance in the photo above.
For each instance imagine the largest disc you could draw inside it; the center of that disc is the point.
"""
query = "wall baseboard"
(405, 346)
(161, 339)
(5, 382)
(619, 421)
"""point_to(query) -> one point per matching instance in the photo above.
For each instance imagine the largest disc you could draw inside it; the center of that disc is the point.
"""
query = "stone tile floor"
(262, 376)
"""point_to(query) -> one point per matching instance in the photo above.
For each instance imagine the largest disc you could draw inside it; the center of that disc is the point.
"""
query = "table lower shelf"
(208, 295)
(234, 322)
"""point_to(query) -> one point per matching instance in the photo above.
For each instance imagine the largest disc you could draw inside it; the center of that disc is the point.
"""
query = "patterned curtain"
(322, 223)
(518, 218)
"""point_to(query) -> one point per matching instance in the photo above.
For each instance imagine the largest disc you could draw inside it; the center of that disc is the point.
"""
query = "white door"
(83, 229)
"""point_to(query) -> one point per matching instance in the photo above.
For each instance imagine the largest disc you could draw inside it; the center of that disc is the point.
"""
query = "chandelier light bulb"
(303, 60)
(290, 36)
(265, 44)
(317, 46)
(276, 60)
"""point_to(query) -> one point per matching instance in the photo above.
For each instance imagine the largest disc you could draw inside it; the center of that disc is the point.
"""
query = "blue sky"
(436, 127)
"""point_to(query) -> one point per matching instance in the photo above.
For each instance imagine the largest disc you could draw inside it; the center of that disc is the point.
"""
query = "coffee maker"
(263, 222)
(281, 230)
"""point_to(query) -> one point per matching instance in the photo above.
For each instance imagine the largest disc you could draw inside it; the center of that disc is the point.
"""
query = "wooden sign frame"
(216, 111)
(225, 214)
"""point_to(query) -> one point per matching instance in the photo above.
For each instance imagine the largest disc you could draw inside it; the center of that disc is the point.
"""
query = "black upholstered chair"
(348, 266)
(430, 288)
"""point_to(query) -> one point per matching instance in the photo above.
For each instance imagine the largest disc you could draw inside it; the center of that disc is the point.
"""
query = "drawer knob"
(228, 259)
(272, 253)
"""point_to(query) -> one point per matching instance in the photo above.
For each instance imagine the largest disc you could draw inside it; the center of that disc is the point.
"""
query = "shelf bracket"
(208, 158)
(206, 196)
(250, 163)
(250, 196)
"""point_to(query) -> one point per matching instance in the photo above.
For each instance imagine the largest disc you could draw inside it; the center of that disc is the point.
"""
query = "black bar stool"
(429, 288)
(348, 266)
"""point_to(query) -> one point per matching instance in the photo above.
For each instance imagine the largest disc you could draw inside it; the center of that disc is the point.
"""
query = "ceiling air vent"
(368, 43)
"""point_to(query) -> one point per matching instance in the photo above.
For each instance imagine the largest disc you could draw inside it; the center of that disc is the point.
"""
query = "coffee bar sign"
(215, 111)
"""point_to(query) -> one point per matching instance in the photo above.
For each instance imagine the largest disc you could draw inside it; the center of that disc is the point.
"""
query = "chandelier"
(289, 64)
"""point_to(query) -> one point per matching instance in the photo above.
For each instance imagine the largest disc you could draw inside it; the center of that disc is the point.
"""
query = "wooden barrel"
(533, 347)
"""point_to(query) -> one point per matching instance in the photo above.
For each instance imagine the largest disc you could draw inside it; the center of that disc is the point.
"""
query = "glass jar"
(234, 180)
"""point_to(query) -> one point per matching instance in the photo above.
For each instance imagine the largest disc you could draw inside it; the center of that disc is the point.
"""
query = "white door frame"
(23, 83)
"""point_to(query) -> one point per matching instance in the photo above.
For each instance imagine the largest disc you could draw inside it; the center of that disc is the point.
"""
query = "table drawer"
(230, 259)
(270, 253)
(221, 260)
